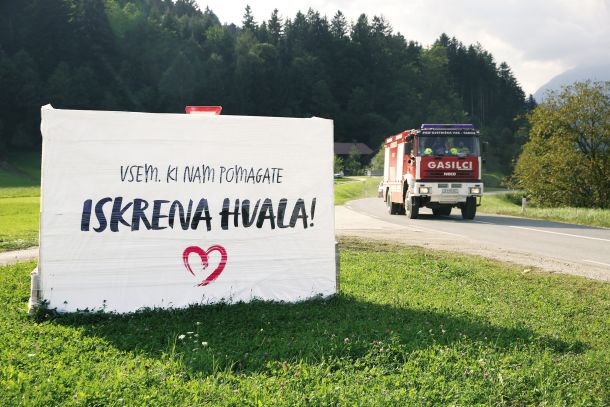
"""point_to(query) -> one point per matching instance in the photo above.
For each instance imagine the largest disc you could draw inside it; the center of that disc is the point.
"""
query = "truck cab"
(437, 166)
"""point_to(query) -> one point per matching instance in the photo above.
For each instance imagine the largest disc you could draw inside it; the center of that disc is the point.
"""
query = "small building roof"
(346, 148)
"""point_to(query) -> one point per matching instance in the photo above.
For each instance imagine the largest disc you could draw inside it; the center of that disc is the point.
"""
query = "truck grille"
(456, 185)
(443, 185)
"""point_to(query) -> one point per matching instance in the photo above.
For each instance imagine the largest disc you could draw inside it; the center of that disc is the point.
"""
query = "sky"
(538, 39)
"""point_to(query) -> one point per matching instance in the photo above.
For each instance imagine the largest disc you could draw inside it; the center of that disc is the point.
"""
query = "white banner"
(167, 210)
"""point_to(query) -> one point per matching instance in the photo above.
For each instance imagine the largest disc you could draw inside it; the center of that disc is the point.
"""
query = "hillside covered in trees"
(160, 55)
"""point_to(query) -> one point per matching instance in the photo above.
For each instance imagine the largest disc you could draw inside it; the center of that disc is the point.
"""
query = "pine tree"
(275, 27)
(338, 26)
(248, 22)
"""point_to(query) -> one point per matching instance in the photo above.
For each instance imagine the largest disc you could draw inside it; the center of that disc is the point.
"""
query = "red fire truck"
(437, 166)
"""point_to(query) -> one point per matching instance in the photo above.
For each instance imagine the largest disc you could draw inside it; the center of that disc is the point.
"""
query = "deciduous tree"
(567, 158)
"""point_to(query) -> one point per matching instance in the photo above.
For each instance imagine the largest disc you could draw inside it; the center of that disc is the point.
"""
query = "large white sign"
(166, 210)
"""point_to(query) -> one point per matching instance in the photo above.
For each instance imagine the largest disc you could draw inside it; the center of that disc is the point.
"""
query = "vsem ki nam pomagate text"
(201, 174)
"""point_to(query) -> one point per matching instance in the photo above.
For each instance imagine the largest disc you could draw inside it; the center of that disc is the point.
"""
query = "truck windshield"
(460, 146)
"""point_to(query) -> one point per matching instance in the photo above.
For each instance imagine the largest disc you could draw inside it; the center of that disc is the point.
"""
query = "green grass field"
(19, 200)
(411, 327)
(19, 222)
(510, 204)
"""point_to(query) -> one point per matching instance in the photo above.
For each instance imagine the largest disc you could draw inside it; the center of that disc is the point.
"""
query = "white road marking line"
(597, 262)
(558, 233)
(486, 223)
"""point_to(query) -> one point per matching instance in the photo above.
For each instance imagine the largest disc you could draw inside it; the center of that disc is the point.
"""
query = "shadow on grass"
(246, 337)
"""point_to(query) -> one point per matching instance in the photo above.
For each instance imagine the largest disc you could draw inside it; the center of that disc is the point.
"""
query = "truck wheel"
(412, 210)
(470, 208)
(393, 208)
(442, 211)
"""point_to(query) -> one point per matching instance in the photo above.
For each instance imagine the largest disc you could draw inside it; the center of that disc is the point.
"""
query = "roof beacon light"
(212, 110)
(447, 126)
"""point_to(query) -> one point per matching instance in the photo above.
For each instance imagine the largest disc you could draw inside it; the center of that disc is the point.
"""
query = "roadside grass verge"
(411, 327)
(346, 191)
(19, 200)
(510, 204)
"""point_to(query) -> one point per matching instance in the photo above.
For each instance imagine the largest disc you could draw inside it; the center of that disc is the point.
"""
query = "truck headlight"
(424, 190)
(475, 190)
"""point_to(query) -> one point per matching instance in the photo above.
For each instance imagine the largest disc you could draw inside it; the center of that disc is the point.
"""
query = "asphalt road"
(548, 244)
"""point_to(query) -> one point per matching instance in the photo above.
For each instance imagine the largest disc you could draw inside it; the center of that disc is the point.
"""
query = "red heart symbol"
(203, 254)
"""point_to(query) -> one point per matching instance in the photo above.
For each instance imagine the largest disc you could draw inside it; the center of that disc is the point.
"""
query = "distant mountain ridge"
(578, 74)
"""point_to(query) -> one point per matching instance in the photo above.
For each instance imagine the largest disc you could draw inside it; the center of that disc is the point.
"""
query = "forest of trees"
(160, 55)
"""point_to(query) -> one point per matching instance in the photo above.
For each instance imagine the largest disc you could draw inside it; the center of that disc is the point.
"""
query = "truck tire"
(412, 207)
(393, 208)
(442, 211)
(469, 209)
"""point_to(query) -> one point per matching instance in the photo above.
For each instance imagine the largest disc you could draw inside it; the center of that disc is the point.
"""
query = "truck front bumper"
(447, 192)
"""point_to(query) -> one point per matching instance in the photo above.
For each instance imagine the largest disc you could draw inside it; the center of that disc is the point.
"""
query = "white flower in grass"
(204, 344)
(181, 337)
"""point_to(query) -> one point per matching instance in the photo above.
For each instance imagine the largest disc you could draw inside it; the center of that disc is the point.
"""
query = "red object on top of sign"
(204, 109)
